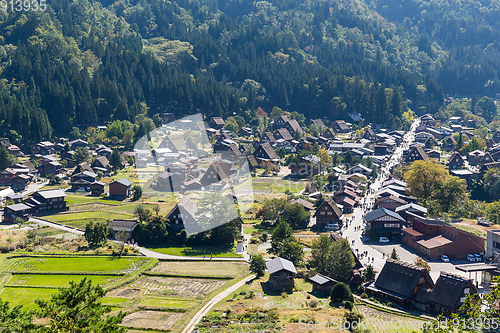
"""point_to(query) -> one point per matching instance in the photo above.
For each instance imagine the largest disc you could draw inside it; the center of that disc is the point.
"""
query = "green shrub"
(243, 292)
(372, 299)
(254, 240)
(348, 305)
(284, 294)
(364, 295)
(313, 303)
(341, 292)
(294, 320)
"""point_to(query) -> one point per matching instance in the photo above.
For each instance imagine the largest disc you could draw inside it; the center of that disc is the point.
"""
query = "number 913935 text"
(23, 5)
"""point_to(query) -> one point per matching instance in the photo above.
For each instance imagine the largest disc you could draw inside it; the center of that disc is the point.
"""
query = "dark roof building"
(281, 274)
(401, 282)
(328, 213)
(449, 293)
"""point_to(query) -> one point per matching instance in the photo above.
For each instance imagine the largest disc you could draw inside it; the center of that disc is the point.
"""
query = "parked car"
(471, 257)
(383, 240)
(478, 257)
(445, 258)
(332, 227)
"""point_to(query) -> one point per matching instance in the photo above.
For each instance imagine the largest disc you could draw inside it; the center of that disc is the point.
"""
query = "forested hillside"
(83, 63)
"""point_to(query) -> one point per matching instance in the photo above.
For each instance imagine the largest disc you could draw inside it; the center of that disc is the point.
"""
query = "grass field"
(198, 251)
(55, 281)
(202, 269)
(77, 264)
(25, 296)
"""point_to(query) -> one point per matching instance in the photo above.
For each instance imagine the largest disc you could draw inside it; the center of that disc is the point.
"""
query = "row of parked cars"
(470, 257)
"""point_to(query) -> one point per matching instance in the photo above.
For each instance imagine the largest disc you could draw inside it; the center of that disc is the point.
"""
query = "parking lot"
(436, 264)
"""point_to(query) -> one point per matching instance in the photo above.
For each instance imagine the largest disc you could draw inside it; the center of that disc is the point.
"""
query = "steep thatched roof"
(400, 277)
(449, 289)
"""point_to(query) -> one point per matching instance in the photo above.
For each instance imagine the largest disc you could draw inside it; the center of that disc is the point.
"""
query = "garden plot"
(56, 281)
(202, 269)
(177, 286)
(151, 319)
(77, 264)
(124, 292)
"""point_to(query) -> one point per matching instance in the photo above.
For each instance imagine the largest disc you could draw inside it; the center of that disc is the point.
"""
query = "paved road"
(356, 224)
(33, 187)
(204, 310)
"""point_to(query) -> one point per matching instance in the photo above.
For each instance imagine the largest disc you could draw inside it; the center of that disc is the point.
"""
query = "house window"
(329, 213)
(466, 290)
(462, 299)
(421, 280)
(322, 213)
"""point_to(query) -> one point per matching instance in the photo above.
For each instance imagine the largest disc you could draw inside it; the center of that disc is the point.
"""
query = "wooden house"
(387, 220)
(123, 226)
(19, 182)
(120, 189)
(456, 161)
(12, 212)
(183, 215)
(97, 188)
(214, 174)
(265, 153)
(416, 153)
(281, 274)
(317, 122)
(402, 283)
(47, 200)
(390, 202)
(340, 126)
(322, 284)
(328, 213)
(449, 293)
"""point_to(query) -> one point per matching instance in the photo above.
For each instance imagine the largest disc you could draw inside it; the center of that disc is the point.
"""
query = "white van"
(332, 227)
(383, 240)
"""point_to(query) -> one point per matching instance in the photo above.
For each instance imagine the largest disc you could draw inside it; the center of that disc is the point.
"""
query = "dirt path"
(204, 310)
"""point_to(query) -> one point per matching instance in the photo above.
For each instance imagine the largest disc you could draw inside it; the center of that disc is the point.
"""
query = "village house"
(123, 226)
(216, 122)
(322, 284)
(317, 122)
(456, 161)
(78, 143)
(390, 202)
(265, 153)
(328, 213)
(416, 153)
(102, 164)
(183, 215)
(47, 200)
(388, 222)
(282, 133)
(120, 189)
(214, 174)
(411, 208)
(169, 181)
(97, 188)
(81, 181)
(19, 182)
(280, 122)
(281, 274)
(340, 126)
(402, 283)
(12, 212)
(6, 176)
(449, 293)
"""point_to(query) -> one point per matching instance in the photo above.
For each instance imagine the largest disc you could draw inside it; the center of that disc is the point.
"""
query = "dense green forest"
(82, 63)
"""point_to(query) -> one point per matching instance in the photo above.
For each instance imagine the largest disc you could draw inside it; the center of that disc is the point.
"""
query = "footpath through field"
(145, 252)
(204, 310)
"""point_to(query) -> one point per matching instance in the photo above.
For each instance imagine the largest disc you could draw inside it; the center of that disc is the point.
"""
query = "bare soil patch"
(151, 319)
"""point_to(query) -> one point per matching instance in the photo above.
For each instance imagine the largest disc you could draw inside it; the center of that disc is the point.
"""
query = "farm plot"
(177, 287)
(151, 319)
(25, 296)
(77, 264)
(168, 303)
(385, 322)
(56, 281)
(202, 269)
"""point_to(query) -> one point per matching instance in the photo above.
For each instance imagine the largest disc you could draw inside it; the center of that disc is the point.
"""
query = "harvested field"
(178, 287)
(151, 319)
(124, 292)
(202, 269)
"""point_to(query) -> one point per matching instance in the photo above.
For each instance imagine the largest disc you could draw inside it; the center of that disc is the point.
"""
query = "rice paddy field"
(153, 303)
